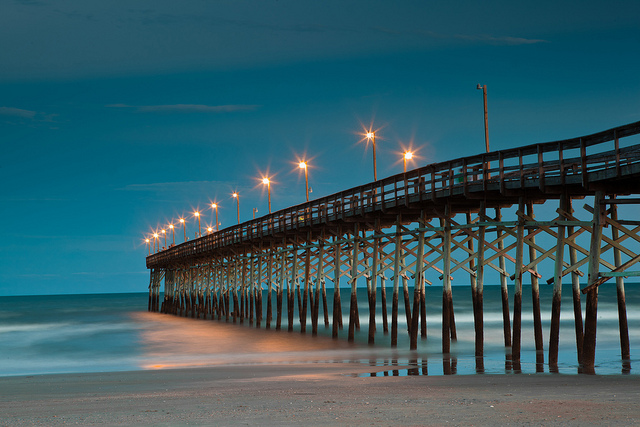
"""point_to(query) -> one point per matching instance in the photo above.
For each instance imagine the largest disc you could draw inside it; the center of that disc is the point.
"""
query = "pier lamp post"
(266, 182)
(214, 206)
(148, 245)
(209, 230)
(173, 234)
(237, 197)
(197, 214)
(164, 232)
(371, 136)
(407, 156)
(184, 228)
(486, 115)
(155, 238)
(303, 165)
(254, 212)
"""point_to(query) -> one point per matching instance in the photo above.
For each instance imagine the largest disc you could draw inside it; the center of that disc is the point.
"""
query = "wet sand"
(316, 394)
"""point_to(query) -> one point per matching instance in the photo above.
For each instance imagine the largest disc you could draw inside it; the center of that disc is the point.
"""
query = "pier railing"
(577, 161)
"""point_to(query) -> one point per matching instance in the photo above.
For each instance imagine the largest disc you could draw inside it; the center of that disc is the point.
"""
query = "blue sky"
(118, 116)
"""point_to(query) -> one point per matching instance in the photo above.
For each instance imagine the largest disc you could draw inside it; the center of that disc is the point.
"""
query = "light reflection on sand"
(170, 342)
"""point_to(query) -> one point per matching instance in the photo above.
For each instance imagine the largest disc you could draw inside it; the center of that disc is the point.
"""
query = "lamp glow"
(303, 165)
(215, 207)
(237, 197)
(266, 182)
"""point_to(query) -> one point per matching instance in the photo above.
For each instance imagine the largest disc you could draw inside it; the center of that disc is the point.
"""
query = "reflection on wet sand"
(170, 342)
(174, 342)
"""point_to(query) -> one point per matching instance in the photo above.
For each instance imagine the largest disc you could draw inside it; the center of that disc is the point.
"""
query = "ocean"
(115, 332)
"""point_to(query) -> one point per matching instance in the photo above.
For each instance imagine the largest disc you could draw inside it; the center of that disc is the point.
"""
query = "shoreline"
(315, 394)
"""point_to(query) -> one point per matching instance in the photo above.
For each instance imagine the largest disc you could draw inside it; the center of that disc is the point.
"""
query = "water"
(114, 332)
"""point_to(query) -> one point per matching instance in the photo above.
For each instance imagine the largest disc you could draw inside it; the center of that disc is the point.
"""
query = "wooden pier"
(421, 227)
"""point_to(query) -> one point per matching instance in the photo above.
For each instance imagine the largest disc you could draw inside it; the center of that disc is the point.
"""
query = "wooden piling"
(372, 291)
(281, 279)
(446, 283)
(269, 289)
(252, 284)
(620, 294)
(517, 296)
(479, 298)
(504, 291)
(307, 273)
(535, 296)
(353, 306)
(591, 320)
(337, 304)
(473, 278)
(383, 302)
(554, 331)
(292, 286)
(319, 279)
(325, 305)
(396, 284)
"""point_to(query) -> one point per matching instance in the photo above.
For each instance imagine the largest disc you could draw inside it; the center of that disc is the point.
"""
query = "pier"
(472, 215)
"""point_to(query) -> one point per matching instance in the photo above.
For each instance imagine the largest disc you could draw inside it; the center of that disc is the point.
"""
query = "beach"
(99, 359)
(316, 394)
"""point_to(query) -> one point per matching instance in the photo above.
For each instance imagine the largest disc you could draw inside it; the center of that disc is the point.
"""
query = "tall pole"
(173, 233)
(372, 136)
(197, 214)
(237, 197)
(408, 155)
(303, 165)
(266, 182)
(165, 237)
(214, 206)
(486, 116)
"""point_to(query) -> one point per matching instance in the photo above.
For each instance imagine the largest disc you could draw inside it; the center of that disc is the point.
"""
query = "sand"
(316, 394)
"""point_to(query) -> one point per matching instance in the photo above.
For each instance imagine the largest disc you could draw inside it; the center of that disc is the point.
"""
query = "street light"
(173, 234)
(254, 212)
(148, 244)
(303, 165)
(237, 197)
(408, 155)
(184, 228)
(155, 237)
(214, 206)
(371, 136)
(486, 115)
(197, 214)
(165, 237)
(209, 230)
(266, 182)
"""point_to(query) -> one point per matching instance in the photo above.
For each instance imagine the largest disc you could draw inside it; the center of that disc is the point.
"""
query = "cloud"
(476, 38)
(27, 115)
(188, 108)
(173, 186)
(17, 112)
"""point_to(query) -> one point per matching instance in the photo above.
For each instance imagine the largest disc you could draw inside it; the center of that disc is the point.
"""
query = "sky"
(118, 117)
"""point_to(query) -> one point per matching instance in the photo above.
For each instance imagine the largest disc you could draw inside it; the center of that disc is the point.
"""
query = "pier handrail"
(500, 170)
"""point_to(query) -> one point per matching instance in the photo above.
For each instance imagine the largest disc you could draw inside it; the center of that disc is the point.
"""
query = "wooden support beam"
(554, 332)
(517, 297)
(353, 306)
(590, 324)
(535, 295)
(396, 283)
(446, 285)
(478, 303)
(620, 293)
